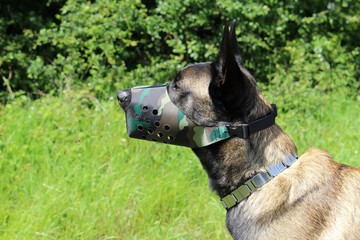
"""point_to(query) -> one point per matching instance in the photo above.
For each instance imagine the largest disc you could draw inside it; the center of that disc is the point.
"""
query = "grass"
(69, 171)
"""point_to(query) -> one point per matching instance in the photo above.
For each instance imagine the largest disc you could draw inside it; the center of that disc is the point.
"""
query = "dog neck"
(231, 162)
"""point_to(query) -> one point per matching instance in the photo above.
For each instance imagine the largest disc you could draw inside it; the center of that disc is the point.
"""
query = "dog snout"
(124, 98)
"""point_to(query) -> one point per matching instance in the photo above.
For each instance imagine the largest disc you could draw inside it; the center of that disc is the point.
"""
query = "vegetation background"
(67, 168)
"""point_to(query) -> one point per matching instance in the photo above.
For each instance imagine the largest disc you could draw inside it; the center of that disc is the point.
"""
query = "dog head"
(201, 105)
(218, 92)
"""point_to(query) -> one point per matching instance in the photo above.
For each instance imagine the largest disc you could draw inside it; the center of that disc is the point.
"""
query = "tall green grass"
(69, 171)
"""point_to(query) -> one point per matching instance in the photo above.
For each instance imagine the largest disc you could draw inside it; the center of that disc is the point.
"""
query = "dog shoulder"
(328, 181)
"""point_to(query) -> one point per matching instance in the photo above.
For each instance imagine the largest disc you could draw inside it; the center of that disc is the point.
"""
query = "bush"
(108, 45)
(20, 22)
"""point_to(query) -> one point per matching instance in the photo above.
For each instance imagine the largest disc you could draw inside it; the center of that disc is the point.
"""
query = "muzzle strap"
(245, 130)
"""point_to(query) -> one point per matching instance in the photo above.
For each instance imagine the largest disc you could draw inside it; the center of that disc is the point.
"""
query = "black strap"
(245, 130)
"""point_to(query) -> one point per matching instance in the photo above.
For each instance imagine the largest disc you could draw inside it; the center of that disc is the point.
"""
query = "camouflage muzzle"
(152, 116)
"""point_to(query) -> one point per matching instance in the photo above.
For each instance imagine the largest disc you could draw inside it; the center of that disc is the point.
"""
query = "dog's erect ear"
(230, 80)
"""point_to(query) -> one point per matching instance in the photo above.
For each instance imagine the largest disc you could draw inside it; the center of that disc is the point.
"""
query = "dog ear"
(230, 79)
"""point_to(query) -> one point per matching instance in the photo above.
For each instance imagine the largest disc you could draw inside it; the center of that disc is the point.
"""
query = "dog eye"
(175, 83)
(175, 86)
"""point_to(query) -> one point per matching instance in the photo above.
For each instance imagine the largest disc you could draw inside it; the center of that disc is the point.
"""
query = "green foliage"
(325, 58)
(310, 75)
(68, 171)
(20, 22)
(107, 45)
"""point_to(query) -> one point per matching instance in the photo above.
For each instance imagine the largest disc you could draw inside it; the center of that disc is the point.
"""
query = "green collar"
(256, 182)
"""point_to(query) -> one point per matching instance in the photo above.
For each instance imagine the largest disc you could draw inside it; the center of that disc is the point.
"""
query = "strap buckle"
(241, 131)
(244, 130)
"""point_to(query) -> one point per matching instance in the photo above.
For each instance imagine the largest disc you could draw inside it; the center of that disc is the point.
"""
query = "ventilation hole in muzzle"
(160, 135)
(171, 138)
(157, 124)
(150, 131)
(166, 127)
(137, 116)
(145, 108)
(147, 120)
(155, 112)
(140, 128)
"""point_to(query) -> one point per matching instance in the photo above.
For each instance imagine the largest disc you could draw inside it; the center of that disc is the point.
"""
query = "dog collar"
(256, 182)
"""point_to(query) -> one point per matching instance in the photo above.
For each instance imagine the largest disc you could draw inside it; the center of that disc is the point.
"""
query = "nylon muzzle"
(151, 115)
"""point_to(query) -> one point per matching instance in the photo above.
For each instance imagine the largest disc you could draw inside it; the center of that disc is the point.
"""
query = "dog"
(267, 191)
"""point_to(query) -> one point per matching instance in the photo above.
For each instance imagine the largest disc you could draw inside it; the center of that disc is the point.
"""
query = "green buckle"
(236, 196)
(228, 201)
(241, 193)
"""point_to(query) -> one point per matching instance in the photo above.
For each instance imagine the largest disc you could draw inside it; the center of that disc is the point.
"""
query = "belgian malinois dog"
(267, 191)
